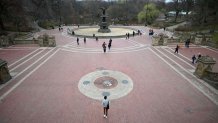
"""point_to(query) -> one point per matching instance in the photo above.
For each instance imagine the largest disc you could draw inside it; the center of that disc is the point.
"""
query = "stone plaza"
(65, 83)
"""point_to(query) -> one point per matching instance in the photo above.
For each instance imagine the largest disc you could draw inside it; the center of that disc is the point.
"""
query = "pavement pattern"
(162, 87)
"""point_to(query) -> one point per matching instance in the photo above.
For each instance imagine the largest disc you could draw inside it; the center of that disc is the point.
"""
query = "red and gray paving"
(153, 85)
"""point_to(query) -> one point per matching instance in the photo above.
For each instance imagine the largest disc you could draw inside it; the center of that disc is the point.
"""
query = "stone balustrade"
(46, 41)
(161, 39)
(198, 39)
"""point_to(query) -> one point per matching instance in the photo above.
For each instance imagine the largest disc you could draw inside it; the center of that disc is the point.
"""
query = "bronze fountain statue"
(103, 23)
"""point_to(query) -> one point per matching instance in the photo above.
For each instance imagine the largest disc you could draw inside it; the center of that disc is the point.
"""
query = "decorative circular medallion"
(113, 84)
(105, 82)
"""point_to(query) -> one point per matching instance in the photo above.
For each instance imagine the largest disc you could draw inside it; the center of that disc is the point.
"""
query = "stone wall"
(44, 41)
(211, 78)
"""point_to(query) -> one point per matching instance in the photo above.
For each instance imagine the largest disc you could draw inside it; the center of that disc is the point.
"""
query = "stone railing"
(46, 41)
(20, 41)
(198, 38)
(173, 40)
(161, 39)
(43, 41)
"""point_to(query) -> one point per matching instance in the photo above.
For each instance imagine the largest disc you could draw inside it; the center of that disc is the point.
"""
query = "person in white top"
(105, 104)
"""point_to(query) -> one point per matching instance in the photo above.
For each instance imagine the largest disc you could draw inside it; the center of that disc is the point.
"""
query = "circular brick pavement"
(113, 84)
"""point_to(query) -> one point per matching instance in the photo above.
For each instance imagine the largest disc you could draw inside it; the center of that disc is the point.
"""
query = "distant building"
(173, 13)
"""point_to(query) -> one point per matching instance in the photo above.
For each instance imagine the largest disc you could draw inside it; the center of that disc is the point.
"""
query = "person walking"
(109, 46)
(128, 35)
(105, 104)
(96, 38)
(199, 55)
(177, 49)
(84, 40)
(193, 59)
(110, 41)
(77, 40)
(188, 43)
(104, 47)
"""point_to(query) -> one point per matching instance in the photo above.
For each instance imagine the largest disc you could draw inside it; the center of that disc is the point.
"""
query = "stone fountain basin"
(116, 32)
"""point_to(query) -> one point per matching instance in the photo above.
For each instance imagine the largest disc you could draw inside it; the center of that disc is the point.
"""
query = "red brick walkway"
(44, 88)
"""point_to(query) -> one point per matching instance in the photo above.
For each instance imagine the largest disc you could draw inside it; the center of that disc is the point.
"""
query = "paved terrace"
(153, 85)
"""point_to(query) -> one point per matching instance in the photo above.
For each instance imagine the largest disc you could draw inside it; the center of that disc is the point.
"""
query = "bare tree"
(177, 8)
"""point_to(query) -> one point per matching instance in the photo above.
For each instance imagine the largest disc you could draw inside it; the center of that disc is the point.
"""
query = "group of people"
(104, 45)
(151, 32)
(194, 59)
(77, 40)
(60, 28)
(187, 43)
(133, 34)
(139, 32)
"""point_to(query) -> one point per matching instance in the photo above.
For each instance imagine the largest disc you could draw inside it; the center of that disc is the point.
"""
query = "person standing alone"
(104, 46)
(84, 40)
(77, 40)
(105, 104)
(109, 46)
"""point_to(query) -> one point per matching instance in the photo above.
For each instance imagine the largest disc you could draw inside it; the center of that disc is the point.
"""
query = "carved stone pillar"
(207, 38)
(165, 40)
(155, 40)
(40, 41)
(4, 72)
(205, 63)
(198, 39)
(51, 42)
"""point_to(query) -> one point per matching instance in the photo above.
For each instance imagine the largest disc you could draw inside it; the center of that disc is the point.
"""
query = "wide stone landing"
(113, 84)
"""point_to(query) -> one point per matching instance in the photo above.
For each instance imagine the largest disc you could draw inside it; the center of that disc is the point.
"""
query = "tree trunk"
(177, 9)
(2, 24)
(187, 9)
(205, 13)
(177, 13)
